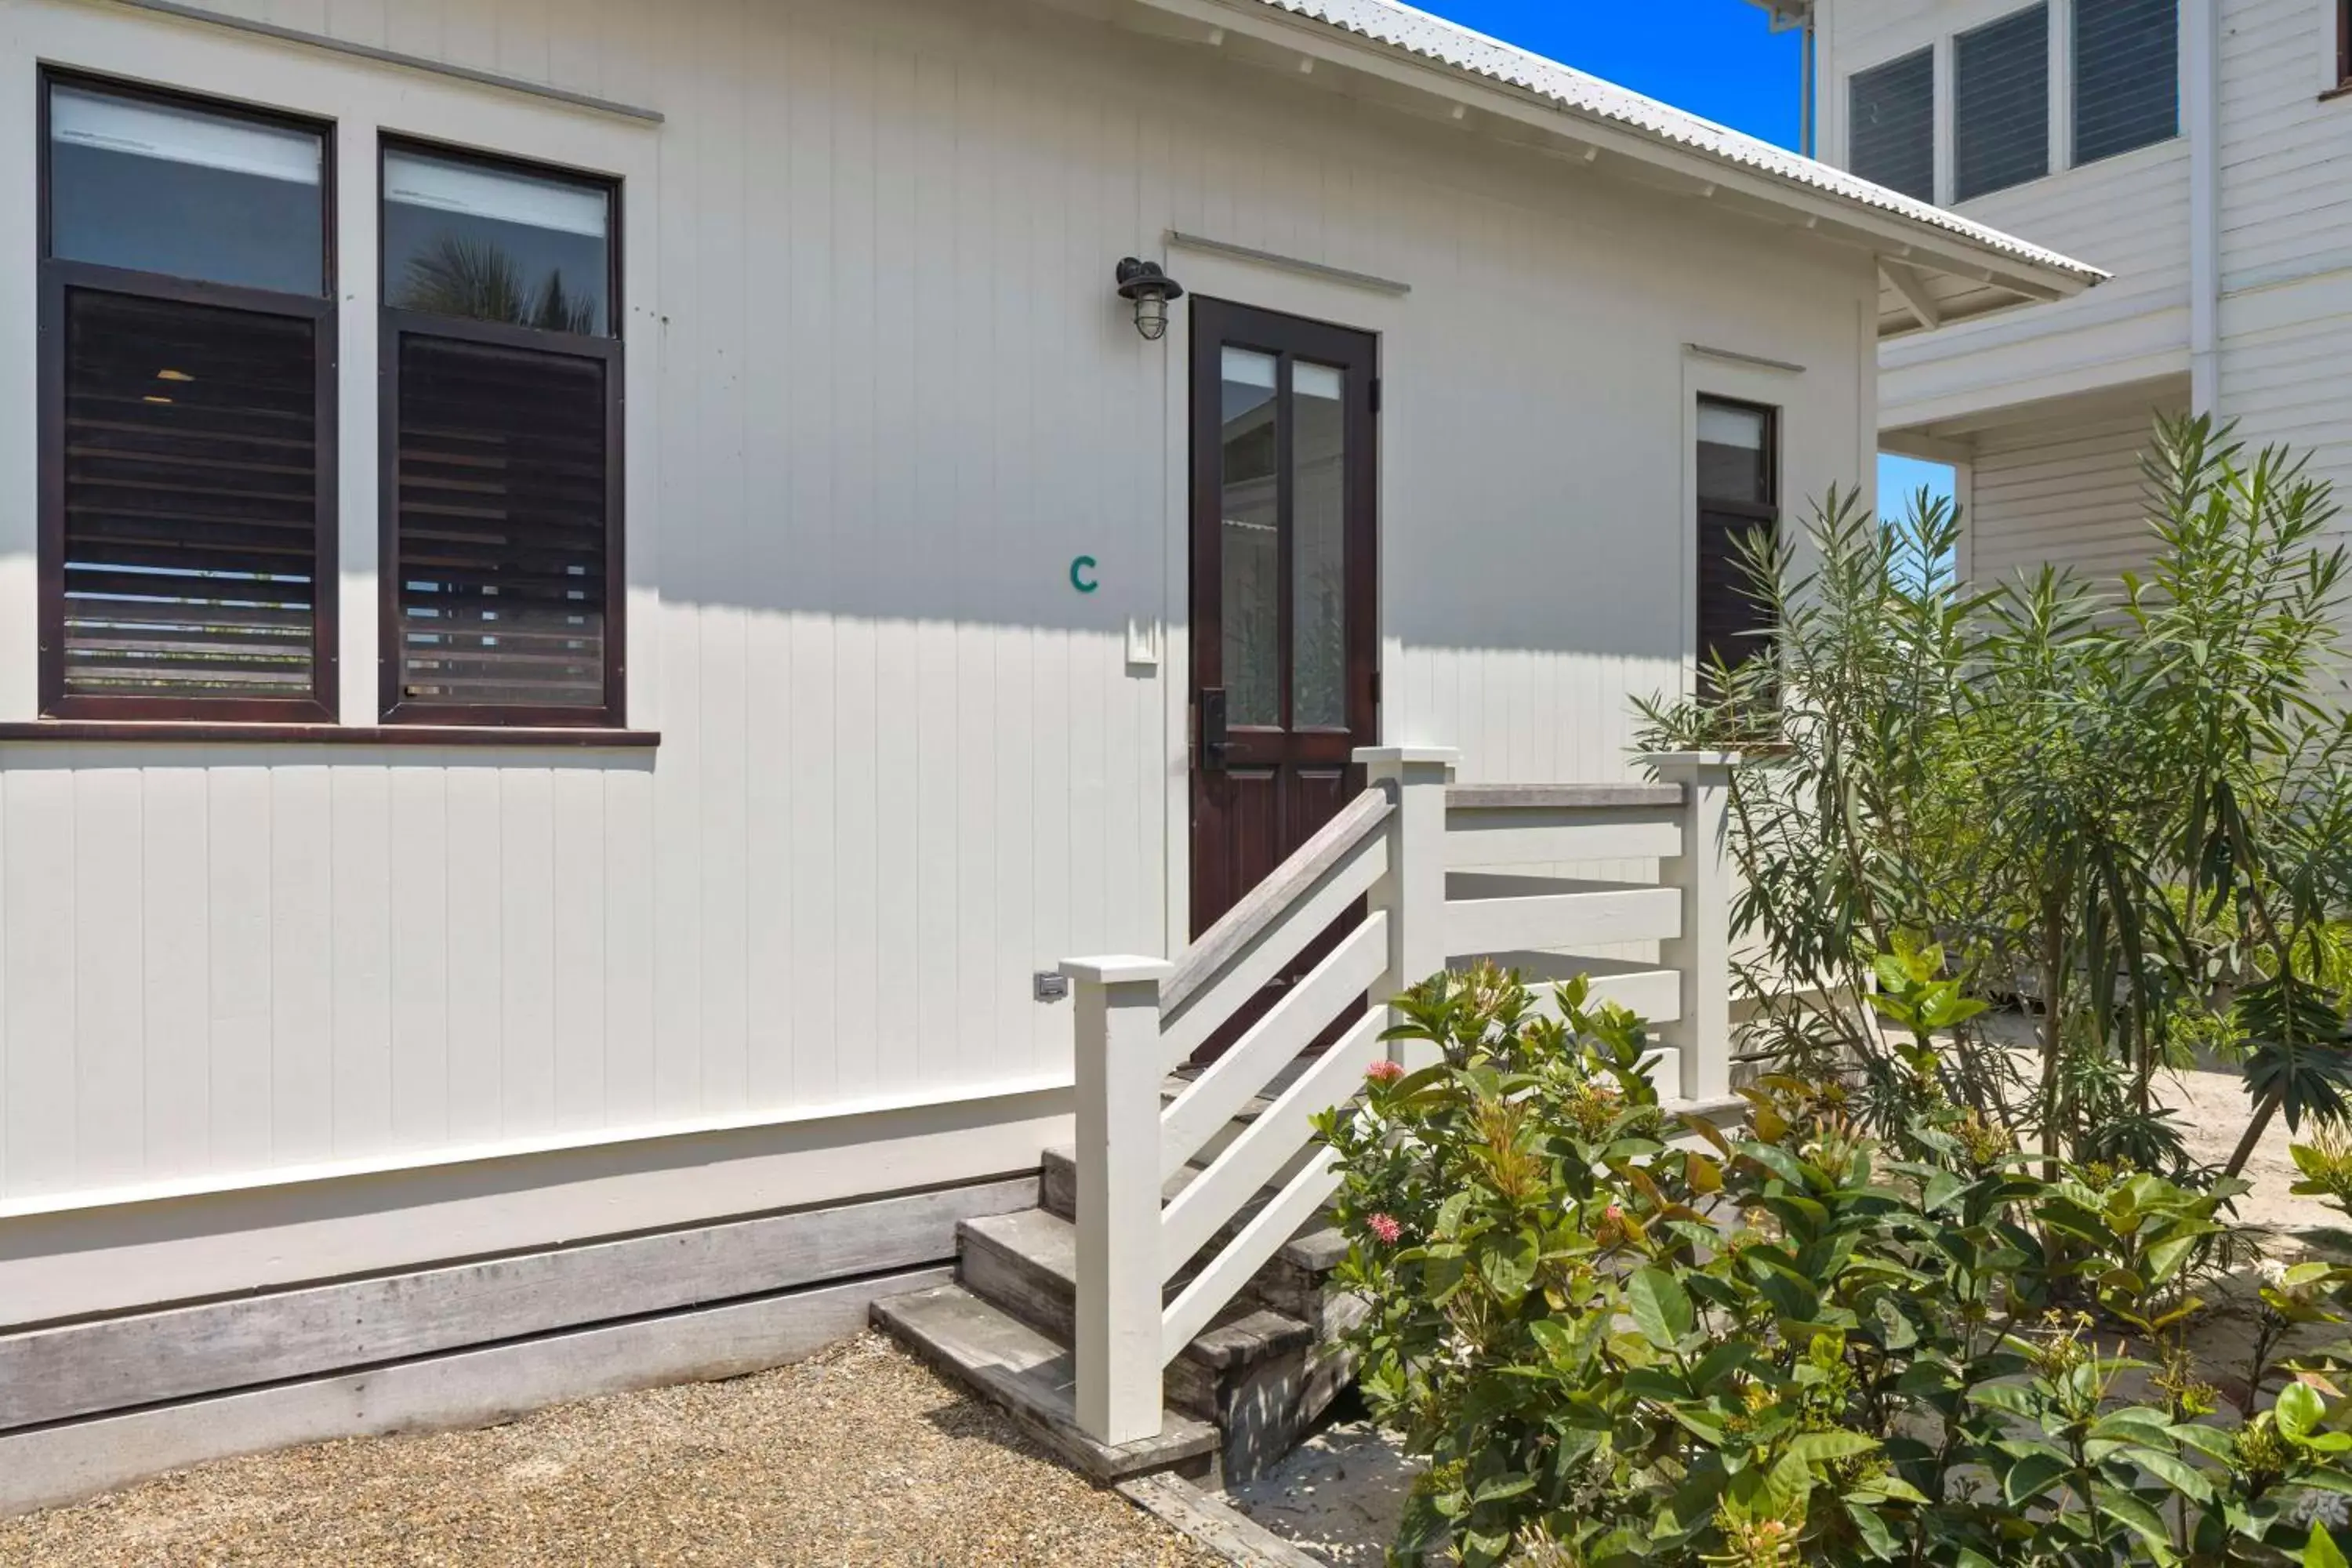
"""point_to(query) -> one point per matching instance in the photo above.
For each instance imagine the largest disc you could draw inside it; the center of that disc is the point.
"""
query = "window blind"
(503, 490)
(191, 491)
(1891, 130)
(2000, 104)
(2127, 75)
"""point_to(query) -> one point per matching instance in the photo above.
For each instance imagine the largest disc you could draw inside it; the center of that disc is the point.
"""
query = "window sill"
(2341, 90)
(176, 732)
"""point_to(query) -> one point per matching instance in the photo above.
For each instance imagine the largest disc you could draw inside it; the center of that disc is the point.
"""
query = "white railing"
(1444, 873)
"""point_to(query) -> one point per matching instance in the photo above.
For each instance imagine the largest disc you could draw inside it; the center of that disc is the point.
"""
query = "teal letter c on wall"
(1079, 575)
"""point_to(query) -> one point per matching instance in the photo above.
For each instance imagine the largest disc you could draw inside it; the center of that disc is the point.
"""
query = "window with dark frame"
(501, 371)
(1738, 509)
(188, 424)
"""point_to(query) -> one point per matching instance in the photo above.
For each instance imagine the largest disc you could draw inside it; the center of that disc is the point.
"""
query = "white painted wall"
(2070, 497)
(2286, 231)
(880, 394)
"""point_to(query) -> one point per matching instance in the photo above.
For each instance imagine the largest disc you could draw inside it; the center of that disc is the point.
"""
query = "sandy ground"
(858, 1457)
(1339, 1496)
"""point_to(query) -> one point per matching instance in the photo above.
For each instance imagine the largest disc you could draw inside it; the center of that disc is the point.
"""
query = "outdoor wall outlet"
(1049, 986)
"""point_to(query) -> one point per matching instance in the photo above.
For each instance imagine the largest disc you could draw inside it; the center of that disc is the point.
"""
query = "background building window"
(1891, 130)
(2127, 75)
(502, 378)
(1738, 500)
(187, 411)
(2000, 104)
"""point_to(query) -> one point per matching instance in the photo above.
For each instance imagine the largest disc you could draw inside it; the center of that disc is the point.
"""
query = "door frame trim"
(1267, 288)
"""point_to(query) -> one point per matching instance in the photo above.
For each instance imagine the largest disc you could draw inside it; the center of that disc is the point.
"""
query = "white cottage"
(595, 594)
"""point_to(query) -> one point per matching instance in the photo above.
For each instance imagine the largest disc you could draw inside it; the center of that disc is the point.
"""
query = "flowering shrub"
(1616, 1338)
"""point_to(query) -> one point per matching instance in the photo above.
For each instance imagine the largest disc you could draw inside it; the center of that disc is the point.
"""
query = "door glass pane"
(158, 187)
(488, 244)
(1319, 493)
(1252, 541)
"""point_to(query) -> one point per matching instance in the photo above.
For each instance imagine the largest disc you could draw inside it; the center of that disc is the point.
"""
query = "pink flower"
(1385, 1228)
(1384, 1071)
(1614, 1215)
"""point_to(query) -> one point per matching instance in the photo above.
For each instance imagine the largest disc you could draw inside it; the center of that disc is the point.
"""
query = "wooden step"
(1027, 1264)
(1263, 1376)
(1313, 1251)
(1010, 1363)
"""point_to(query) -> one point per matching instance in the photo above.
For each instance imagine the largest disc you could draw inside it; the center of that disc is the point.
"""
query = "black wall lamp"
(1150, 289)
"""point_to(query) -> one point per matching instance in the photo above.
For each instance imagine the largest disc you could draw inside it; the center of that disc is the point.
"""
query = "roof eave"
(1885, 232)
(1787, 15)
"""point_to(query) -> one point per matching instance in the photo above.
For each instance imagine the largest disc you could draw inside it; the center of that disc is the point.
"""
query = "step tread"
(1046, 1246)
(1012, 1364)
(1047, 1242)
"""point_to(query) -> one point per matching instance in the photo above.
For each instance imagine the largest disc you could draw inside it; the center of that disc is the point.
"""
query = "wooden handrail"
(1270, 899)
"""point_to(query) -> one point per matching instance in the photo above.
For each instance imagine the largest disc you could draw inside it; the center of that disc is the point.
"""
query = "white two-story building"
(2188, 147)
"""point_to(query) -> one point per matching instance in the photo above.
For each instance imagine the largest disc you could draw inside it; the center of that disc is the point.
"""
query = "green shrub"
(2129, 801)
(1616, 1338)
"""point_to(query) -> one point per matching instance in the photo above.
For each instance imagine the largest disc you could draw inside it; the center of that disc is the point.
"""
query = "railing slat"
(1258, 1155)
(1264, 905)
(1550, 836)
(1288, 1028)
(1258, 1241)
(1560, 797)
(1274, 944)
(1563, 920)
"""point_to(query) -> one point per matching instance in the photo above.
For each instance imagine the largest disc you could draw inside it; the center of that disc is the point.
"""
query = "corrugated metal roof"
(1473, 53)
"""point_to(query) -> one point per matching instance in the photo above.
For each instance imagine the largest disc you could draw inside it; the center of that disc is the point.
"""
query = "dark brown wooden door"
(1285, 648)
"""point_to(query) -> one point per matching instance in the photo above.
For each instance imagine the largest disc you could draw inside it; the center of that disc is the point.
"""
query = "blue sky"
(1715, 57)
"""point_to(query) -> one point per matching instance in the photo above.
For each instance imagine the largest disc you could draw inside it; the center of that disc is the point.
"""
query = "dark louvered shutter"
(1891, 129)
(1732, 623)
(2000, 104)
(2127, 75)
(504, 491)
(192, 499)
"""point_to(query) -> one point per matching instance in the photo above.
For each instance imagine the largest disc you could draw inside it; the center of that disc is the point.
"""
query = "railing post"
(1412, 891)
(1118, 1076)
(1701, 955)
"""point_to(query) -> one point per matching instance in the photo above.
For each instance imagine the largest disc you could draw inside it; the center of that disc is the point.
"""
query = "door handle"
(1214, 740)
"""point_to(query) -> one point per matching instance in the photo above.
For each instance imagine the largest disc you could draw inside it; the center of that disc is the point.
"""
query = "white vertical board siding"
(881, 396)
(2072, 497)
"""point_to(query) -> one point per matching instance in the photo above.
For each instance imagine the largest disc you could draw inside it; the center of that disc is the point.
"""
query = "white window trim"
(1947, 117)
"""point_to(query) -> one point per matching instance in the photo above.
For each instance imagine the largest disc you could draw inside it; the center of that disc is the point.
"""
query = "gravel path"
(858, 1457)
